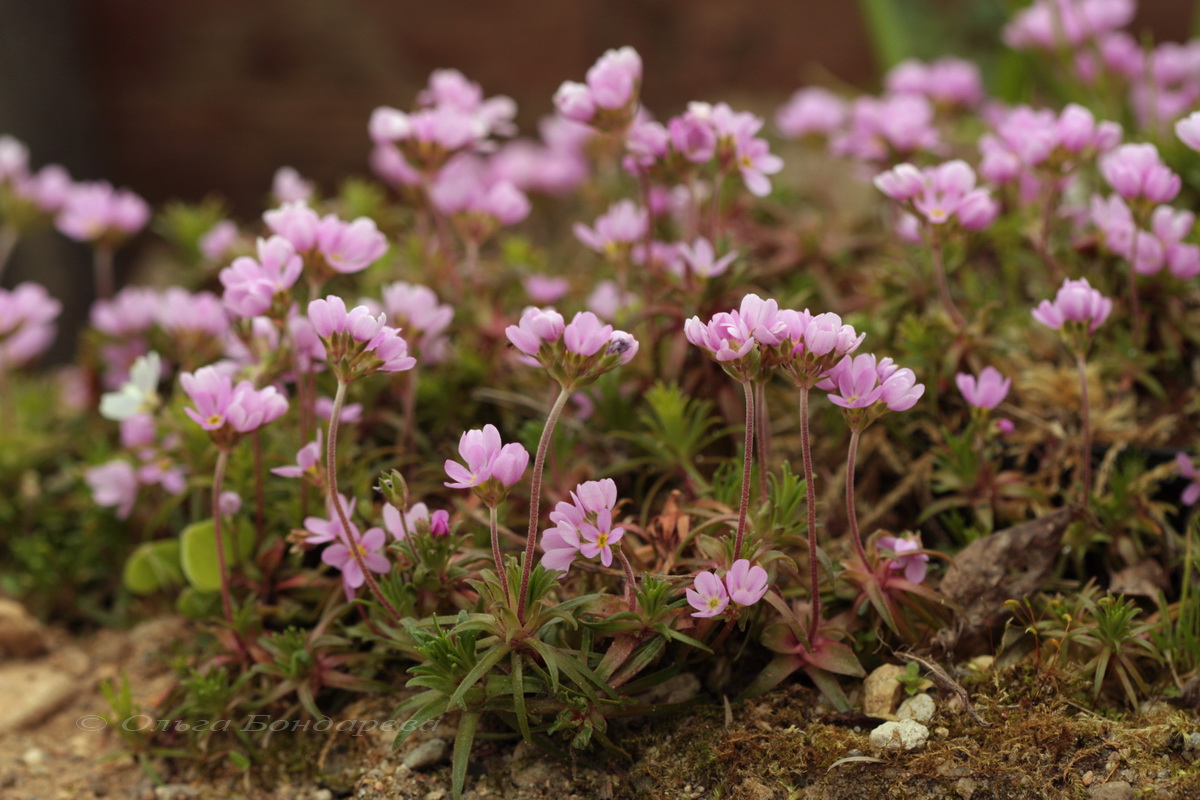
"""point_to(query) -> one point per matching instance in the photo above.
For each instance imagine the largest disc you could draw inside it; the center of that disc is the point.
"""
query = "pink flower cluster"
(95, 212)
(731, 338)
(254, 287)
(1076, 302)
(27, 328)
(416, 309)
(811, 111)
(616, 231)
(888, 129)
(42, 193)
(940, 194)
(357, 344)
(227, 411)
(1137, 173)
(345, 247)
(1162, 245)
(489, 466)
(946, 82)
(574, 354)
(859, 382)
(609, 98)
(583, 527)
(704, 134)
(477, 199)
(1032, 145)
(745, 585)
(1051, 24)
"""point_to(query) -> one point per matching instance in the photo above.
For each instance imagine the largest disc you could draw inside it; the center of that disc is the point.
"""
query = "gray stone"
(965, 787)
(175, 791)
(427, 754)
(904, 735)
(31, 693)
(881, 690)
(919, 707)
(1113, 790)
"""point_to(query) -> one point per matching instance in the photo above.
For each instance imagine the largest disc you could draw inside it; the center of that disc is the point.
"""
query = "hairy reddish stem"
(535, 495)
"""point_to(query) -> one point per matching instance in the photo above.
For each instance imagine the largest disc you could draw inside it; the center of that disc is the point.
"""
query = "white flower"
(139, 395)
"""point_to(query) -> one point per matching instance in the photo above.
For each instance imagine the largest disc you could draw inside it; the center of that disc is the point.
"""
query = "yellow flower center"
(602, 540)
(215, 419)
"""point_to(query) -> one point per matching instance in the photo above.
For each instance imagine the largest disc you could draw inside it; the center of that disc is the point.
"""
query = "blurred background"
(184, 98)
(189, 99)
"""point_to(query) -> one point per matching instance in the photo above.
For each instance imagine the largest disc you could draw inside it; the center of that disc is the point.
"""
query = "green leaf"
(239, 760)
(481, 668)
(153, 566)
(195, 604)
(518, 687)
(885, 24)
(198, 544)
(462, 751)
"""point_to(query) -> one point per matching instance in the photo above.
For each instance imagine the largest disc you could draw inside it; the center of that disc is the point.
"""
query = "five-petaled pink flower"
(599, 538)
(746, 584)
(907, 558)
(708, 595)
(1076, 301)
(986, 392)
(369, 547)
(486, 459)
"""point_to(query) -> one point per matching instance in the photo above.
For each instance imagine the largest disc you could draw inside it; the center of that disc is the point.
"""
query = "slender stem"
(630, 581)
(410, 408)
(939, 273)
(8, 242)
(102, 264)
(499, 559)
(336, 501)
(714, 229)
(1051, 203)
(1085, 463)
(1135, 310)
(851, 514)
(535, 495)
(218, 480)
(747, 468)
(810, 499)
(762, 429)
(259, 495)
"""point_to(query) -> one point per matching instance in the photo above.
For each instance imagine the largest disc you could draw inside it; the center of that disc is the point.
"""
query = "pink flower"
(599, 538)
(860, 381)
(746, 584)
(811, 111)
(987, 392)
(536, 327)
(340, 555)
(296, 222)
(561, 543)
(586, 335)
(230, 503)
(322, 530)
(289, 187)
(901, 183)
(349, 247)
(415, 520)
(1050, 24)
(546, 288)
(130, 312)
(708, 595)
(701, 260)
(308, 461)
(913, 563)
(114, 485)
(887, 129)
(216, 244)
(1076, 301)
(1188, 130)
(1188, 471)
(1135, 171)
(27, 327)
(14, 159)
(614, 232)
(187, 314)
(592, 497)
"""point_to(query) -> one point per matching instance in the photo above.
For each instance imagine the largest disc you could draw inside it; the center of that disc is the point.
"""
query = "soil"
(1044, 742)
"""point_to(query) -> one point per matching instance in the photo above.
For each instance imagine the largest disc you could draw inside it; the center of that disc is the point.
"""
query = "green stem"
(851, 514)
(762, 430)
(336, 501)
(218, 480)
(939, 273)
(810, 498)
(8, 242)
(630, 581)
(535, 495)
(1135, 310)
(747, 468)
